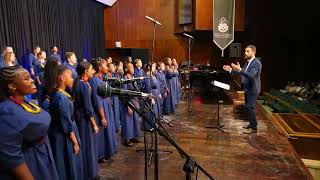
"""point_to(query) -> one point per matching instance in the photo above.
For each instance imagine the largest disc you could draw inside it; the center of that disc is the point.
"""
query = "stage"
(230, 155)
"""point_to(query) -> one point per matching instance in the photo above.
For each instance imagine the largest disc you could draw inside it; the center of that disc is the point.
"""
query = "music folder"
(221, 85)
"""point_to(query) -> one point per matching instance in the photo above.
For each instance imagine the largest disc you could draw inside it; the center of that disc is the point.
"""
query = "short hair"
(159, 63)
(252, 47)
(69, 54)
(136, 61)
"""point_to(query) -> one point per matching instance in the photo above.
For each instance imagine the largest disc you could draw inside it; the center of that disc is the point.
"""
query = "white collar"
(249, 61)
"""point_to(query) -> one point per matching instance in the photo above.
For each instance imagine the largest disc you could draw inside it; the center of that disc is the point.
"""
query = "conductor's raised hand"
(227, 68)
(236, 67)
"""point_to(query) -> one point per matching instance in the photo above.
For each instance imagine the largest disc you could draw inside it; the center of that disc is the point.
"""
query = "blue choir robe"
(169, 104)
(72, 68)
(107, 144)
(138, 72)
(24, 139)
(161, 77)
(130, 127)
(69, 165)
(152, 87)
(2, 65)
(176, 82)
(115, 105)
(57, 56)
(1, 59)
(39, 73)
(83, 112)
(32, 59)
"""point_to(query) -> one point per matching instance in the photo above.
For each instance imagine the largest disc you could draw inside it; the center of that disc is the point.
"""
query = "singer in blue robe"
(57, 56)
(130, 127)
(169, 105)
(139, 72)
(69, 165)
(72, 68)
(176, 83)
(107, 145)
(116, 105)
(38, 69)
(161, 77)
(84, 111)
(152, 87)
(23, 139)
(32, 59)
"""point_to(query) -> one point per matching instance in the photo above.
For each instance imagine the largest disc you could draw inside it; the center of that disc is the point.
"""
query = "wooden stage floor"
(229, 155)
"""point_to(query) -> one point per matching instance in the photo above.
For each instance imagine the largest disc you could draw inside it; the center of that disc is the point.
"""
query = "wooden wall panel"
(135, 31)
(204, 10)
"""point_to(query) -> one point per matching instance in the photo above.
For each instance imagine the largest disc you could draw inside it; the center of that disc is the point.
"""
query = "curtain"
(72, 25)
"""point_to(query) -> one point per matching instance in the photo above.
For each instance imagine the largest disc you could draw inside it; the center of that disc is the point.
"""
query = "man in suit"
(250, 79)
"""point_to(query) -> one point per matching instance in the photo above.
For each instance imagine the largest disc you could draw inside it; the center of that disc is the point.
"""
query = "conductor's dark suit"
(250, 79)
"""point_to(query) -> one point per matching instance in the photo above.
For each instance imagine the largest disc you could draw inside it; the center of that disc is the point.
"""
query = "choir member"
(130, 127)
(107, 145)
(176, 80)
(49, 82)
(87, 126)
(152, 87)
(115, 99)
(25, 151)
(38, 68)
(161, 77)
(32, 59)
(71, 63)
(169, 104)
(64, 136)
(139, 72)
(55, 50)
(9, 59)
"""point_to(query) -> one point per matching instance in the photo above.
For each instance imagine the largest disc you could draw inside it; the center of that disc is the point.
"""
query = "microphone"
(126, 81)
(107, 91)
(157, 22)
(188, 35)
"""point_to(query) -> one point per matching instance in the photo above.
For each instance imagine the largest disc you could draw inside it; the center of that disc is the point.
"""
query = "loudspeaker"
(235, 50)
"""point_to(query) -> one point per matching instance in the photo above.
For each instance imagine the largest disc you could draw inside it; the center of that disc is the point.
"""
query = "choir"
(72, 128)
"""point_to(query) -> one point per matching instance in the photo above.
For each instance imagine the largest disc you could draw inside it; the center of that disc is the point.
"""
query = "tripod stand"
(190, 163)
(220, 87)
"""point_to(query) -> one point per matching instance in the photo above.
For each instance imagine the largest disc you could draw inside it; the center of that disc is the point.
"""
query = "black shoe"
(246, 127)
(97, 178)
(128, 144)
(250, 131)
(134, 140)
(102, 161)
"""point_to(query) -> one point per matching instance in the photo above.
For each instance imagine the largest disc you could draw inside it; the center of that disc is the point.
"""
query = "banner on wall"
(223, 23)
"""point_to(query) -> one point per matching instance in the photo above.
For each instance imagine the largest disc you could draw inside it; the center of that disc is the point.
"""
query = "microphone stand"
(188, 76)
(154, 35)
(154, 151)
(190, 163)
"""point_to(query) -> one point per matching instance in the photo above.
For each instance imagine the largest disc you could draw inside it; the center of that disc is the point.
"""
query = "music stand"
(220, 86)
